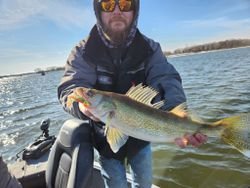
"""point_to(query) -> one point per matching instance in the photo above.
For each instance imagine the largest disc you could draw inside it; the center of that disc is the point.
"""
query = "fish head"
(88, 97)
(96, 101)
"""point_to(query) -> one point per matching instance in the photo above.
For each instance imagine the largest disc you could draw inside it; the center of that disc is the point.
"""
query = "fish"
(134, 115)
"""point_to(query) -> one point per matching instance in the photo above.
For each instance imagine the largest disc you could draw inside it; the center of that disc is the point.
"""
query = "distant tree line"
(36, 71)
(227, 44)
(48, 69)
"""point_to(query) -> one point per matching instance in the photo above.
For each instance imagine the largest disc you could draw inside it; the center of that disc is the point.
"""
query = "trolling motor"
(41, 145)
(45, 128)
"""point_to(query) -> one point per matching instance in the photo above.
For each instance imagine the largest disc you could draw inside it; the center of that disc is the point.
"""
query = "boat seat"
(70, 163)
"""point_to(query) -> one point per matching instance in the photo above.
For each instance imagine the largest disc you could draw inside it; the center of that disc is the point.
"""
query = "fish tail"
(237, 132)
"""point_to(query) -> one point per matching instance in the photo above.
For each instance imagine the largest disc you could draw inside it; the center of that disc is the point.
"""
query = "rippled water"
(24, 102)
(217, 85)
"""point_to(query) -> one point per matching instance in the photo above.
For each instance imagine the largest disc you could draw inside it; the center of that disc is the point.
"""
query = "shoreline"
(204, 52)
(16, 75)
(168, 56)
(29, 73)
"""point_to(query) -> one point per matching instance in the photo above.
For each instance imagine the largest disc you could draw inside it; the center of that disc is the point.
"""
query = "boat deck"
(32, 173)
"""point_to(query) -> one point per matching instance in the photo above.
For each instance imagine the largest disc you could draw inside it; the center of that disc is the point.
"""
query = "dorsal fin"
(159, 104)
(144, 94)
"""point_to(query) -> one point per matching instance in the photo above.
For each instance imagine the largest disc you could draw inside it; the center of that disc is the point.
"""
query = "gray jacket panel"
(162, 76)
(78, 73)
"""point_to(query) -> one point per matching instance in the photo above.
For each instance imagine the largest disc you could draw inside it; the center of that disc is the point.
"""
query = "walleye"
(133, 115)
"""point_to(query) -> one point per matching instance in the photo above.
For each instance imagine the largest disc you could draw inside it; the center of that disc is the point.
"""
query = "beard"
(117, 36)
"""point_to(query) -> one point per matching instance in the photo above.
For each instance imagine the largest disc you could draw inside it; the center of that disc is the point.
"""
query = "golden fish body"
(144, 122)
(134, 115)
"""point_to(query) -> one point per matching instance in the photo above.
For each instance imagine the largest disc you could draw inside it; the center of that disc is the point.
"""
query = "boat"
(42, 73)
(40, 162)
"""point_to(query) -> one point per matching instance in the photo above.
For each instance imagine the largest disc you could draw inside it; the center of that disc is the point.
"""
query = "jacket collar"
(97, 52)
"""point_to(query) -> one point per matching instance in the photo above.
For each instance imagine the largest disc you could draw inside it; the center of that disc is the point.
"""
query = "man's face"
(117, 24)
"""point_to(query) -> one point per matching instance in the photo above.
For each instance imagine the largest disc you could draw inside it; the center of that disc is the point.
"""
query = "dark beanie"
(100, 26)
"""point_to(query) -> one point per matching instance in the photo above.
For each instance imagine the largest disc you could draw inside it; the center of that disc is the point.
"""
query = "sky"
(41, 33)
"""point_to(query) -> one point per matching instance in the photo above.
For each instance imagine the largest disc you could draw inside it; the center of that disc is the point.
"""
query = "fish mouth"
(82, 97)
(86, 102)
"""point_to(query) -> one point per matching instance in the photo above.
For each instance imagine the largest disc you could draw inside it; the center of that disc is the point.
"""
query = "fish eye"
(90, 93)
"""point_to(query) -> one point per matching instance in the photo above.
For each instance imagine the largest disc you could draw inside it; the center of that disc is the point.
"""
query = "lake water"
(217, 85)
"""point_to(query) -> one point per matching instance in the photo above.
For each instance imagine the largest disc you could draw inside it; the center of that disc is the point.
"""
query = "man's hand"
(195, 140)
(87, 113)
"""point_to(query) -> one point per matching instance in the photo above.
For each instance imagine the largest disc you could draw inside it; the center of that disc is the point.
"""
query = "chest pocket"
(133, 76)
(105, 78)
(119, 81)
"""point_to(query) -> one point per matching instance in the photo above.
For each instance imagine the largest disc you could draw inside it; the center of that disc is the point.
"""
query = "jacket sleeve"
(78, 73)
(6, 179)
(162, 76)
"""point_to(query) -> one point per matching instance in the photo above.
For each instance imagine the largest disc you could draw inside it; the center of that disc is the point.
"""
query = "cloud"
(241, 5)
(16, 54)
(18, 13)
(239, 34)
(202, 31)
(14, 60)
(13, 53)
(222, 22)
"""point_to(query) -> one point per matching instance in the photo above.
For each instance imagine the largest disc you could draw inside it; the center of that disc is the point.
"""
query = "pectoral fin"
(116, 139)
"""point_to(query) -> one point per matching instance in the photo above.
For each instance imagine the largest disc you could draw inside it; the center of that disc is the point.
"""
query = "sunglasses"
(109, 5)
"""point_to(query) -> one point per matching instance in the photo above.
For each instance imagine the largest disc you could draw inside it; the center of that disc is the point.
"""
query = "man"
(6, 179)
(115, 57)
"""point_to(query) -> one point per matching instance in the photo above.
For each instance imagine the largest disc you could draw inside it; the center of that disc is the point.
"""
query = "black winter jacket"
(91, 64)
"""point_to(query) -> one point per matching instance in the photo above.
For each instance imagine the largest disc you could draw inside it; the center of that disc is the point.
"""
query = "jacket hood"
(133, 27)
